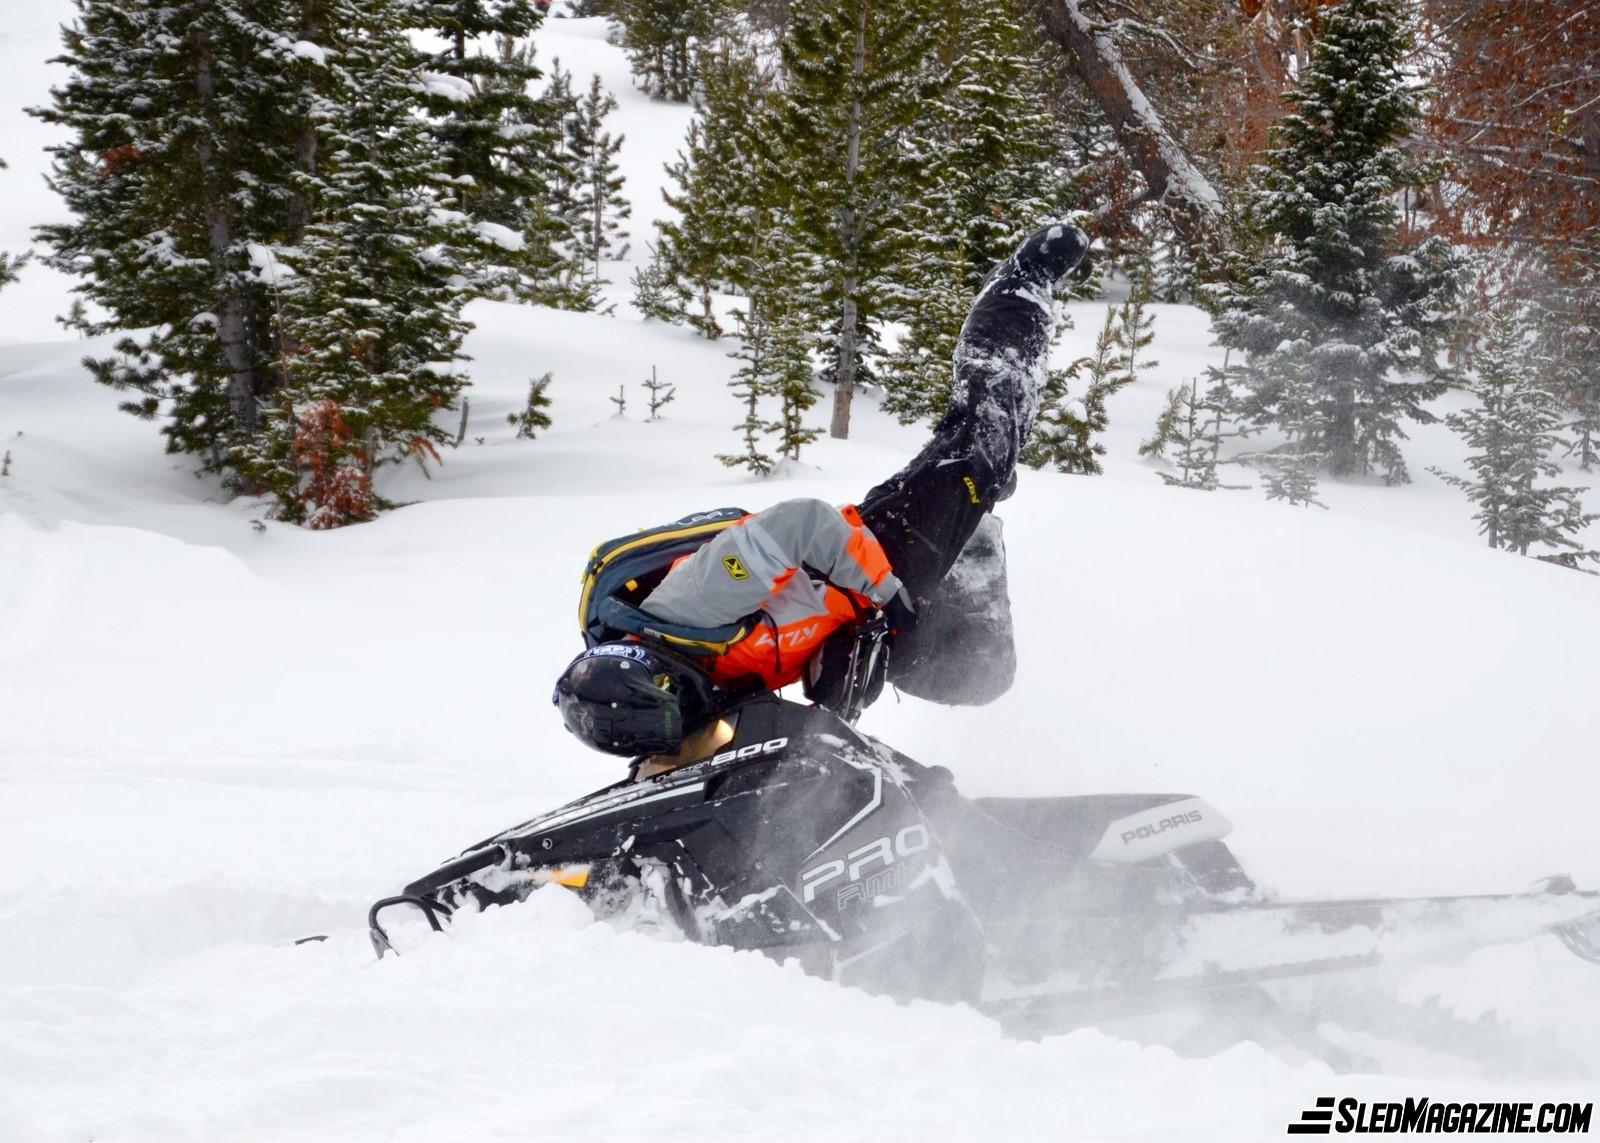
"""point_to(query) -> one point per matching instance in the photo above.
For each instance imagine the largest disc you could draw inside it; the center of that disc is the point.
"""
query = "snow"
(306, 50)
(450, 87)
(502, 236)
(268, 266)
(219, 734)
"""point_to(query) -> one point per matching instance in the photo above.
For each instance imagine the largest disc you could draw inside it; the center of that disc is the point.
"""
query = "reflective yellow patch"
(736, 569)
(972, 489)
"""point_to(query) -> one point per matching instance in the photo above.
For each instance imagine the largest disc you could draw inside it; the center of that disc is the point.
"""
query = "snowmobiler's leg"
(925, 515)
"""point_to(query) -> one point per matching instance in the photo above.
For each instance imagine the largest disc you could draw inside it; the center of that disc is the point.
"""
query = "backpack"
(622, 571)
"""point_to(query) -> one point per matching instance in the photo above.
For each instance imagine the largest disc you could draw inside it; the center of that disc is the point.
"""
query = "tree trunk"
(232, 319)
(845, 377)
(850, 234)
(1167, 170)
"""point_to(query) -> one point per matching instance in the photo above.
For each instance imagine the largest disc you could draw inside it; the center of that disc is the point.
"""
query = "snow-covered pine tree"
(9, 263)
(750, 382)
(725, 188)
(373, 313)
(793, 382)
(478, 104)
(599, 205)
(781, 293)
(1290, 470)
(176, 170)
(1136, 326)
(658, 394)
(555, 222)
(661, 38)
(653, 295)
(1566, 318)
(1191, 429)
(535, 412)
(523, 214)
(858, 73)
(1366, 305)
(1175, 424)
(1063, 436)
(505, 167)
(1194, 425)
(1513, 431)
(990, 161)
(775, 354)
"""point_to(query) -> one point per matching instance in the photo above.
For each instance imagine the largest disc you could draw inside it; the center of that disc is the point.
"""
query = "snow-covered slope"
(217, 737)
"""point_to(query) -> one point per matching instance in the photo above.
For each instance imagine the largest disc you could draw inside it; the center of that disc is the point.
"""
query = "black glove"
(899, 614)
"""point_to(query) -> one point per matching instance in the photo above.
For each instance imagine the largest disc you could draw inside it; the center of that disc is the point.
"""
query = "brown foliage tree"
(335, 471)
(1517, 118)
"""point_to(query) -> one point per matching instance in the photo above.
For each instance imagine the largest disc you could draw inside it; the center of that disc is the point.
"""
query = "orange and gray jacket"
(808, 567)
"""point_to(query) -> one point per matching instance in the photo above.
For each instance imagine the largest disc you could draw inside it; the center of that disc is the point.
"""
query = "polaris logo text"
(1425, 1117)
(876, 858)
(1177, 821)
(752, 750)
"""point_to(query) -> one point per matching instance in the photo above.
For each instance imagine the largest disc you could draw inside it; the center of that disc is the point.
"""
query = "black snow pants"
(936, 511)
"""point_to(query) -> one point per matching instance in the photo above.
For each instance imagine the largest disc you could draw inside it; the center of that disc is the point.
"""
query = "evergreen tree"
(750, 383)
(1513, 430)
(373, 313)
(857, 75)
(1194, 425)
(478, 105)
(251, 190)
(1290, 470)
(9, 264)
(178, 169)
(599, 204)
(653, 295)
(1567, 352)
(1175, 424)
(1135, 330)
(658, 394)
(726, 188)
(990, 170)
(1063, 436)
(525, 214)
(793, 382)
(661, 37)
(558, 217)
(1364, 306)
(535, 412)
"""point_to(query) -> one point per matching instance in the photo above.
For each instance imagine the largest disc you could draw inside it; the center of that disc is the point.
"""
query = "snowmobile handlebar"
(421, 894)
(866, 657)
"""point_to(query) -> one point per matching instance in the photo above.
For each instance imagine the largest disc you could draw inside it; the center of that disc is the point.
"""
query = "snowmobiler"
(756, 601)
(759, 823)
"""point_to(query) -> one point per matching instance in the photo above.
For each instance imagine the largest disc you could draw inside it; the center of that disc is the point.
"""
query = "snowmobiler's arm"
(739, 571)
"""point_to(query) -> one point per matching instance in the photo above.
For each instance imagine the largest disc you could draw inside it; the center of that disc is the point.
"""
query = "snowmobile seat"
(1074, 826)
(1071, 824)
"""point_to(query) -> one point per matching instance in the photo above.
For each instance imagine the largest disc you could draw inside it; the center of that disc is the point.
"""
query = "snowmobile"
(804, 838)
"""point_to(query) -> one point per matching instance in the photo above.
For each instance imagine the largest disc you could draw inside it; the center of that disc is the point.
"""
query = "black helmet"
(629, 698)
